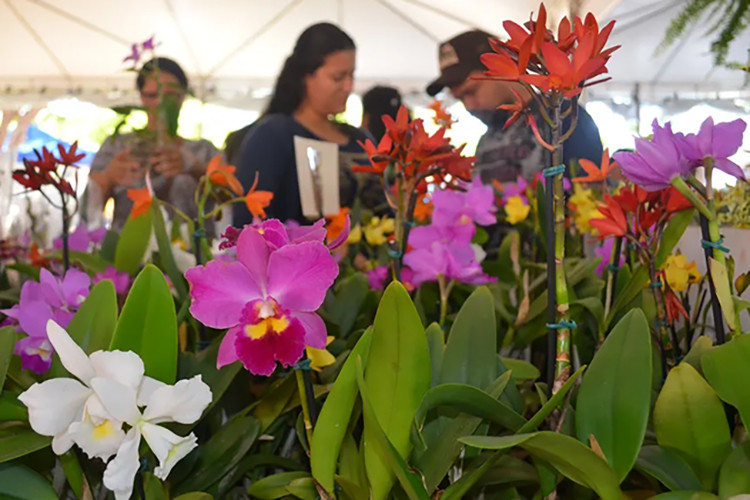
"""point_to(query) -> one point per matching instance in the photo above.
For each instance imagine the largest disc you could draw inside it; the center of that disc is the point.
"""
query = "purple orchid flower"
(605, 252)
(82, 239)
(120, 280)
(135, 55)
(379, 276)
(716, 141)
(51, 298)
(517, 188)
(477, 204)
(149, 44)
(656, 162)
(267, 298)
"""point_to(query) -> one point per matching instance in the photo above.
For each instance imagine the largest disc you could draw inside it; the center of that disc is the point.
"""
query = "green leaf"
(720, 279)
(685, 495)
(148, 325)
(522, 370)
(218, 456)
(615, 396)
(694, 357)
(457, 490)
(397, 377)
(11, 408)
(133, 242)
(571, 458)
(7, 342)
(153, 488)
(734, 476)
(332, 425)
(274, 486)
(273, 401)
(21, 483)
(303, 488)
(727, 369)
(194, 495)
(436, 344)
(345, 305)
(668, 467)
(473, 401)
(93, 325)
(15, 443)
(689, 417)
(632, 289)
(548, 407)
(109, 245)
(166, 257)
(385, 449)
(73, 473)
(672, 234)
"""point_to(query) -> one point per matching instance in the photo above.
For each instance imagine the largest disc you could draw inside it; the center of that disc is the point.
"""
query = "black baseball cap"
(458, 57)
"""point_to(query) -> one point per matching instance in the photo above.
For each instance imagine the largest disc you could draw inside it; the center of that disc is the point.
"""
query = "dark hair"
(379, 101)
(162, 64)
(312, 47)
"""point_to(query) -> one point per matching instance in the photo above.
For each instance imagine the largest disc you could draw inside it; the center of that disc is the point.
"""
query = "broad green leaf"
(720, 279)
(303, 488)
(436, 343)
(345, 304)
(397, 377)
(378, 440)
(332, 425)
(11, 408)
(457, 490)
(727, 369)
(21, 483)
(273, 401)
(166, 257)
(148, 325)
(473, 401)
(571, 458)
(668, 467)
(153, 487)
(109, 245)
(522, 370)
(7, 341)
(734, 476)
(218, 456)
(93, 325)
(352, 476)
(274, 486)
(615, 396)
(694, 357)
(689, 417)
(672, 235)
(686, 495)
(15, 443)
(74, 473)
(133, 242)
(194, 495)
(553, 402)
(632, 289)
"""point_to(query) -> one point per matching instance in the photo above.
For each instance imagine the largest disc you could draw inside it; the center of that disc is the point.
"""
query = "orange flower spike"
(566, 37)
(442, 117)
(258, 201)
(222, 175)
(399, 128)
(379, 156)
(596, 174)
(70, 157)
(141, 199)
(336, 224)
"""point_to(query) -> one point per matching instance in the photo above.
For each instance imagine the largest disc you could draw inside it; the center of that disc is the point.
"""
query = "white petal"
(184, 260)
(71, 355)
(98, 434)
(183, 402)
(168, 447)
(120, 472)
(55, 404)
(124, 367)
(148, 386)
(118, 399)
(62, 442)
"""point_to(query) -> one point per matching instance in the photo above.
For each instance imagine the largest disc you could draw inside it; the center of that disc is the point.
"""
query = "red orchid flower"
(614, 222)
(44, 161)
(675, 308)
(379, 156)
(674, 201)
(69, 157)
(398, 129)
(596, 174)
(564, 75)
(141, 199)
(442, 117)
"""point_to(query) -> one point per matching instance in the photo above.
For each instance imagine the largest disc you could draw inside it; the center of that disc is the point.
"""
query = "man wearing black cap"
(503, 154)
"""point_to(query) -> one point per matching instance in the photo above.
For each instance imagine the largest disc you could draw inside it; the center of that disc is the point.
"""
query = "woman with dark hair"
(376, 102)
(175, 163)
(311, 89)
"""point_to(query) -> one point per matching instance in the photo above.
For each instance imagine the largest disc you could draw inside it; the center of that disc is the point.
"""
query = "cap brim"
(451, 76)
(435, 87)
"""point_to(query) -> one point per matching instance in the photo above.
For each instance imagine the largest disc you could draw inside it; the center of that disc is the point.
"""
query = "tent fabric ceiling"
(234, 48)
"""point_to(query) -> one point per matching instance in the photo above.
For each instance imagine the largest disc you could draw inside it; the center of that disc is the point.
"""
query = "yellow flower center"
(103, 430)
(269, 320)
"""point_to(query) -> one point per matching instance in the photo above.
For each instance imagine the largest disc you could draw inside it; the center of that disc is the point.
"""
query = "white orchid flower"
(183, 402)
(68, 410)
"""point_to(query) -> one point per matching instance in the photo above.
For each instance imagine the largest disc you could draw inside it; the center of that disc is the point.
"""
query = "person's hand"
(168, 161)
(123, 170)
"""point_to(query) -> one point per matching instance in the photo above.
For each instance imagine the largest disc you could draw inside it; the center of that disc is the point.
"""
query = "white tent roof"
(233, 49)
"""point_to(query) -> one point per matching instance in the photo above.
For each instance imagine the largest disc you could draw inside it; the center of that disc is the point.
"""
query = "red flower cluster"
(534, 56)
(43, 170)
(415, 154)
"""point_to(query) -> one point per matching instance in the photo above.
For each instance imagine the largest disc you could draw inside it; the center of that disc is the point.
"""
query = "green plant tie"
(656, 284)
(662, 322)
(302, 365)
(199, 233)
(718, 245)
(562, 324)
(394, 254)
(553, 171)
(613, 268)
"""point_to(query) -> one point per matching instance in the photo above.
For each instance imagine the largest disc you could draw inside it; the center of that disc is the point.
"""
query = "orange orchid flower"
(565, 75)
(596, 174)
(614, 222)
(398, 129)
(423, 209)
(222, 175)
(379, 156)
(258, 201)
(442, 117)
(141, 199)
(336, 224)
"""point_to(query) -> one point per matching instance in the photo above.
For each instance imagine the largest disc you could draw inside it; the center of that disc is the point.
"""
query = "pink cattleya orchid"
(476, 204)
(266, 298)
(82, 239)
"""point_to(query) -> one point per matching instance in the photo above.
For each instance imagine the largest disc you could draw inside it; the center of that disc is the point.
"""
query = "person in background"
(376, 102)
(503, 154)
(175, 163)
(313, 87)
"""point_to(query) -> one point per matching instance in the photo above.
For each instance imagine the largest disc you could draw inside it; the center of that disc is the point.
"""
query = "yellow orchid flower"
(320, 358)
(377, 229)
(516, 210)
(680, 273)
(585, 207)
(355, 235)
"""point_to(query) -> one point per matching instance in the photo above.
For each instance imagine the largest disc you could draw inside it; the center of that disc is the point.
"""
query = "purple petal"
(219, 292)
(253, 252)
(299, 234)
(727, 138)
(729, 167)
(227, 353)
(75, 287)
(35, 353)
(50, 288)
(33, 317)
(97, 235)
(315, 329)
(274, 233)
(300, 275)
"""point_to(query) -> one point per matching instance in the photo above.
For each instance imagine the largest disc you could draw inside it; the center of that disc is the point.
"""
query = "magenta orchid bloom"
(719, 142)
(267, 298)
(81, 240)
(51, 298)
(378, 277)
(120, 280)
(605, 252)
(476, 204)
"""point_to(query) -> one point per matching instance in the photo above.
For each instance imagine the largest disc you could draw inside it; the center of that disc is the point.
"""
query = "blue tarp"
(37, 139)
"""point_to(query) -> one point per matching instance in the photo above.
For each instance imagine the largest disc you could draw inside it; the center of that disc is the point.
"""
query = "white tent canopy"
(233, 49)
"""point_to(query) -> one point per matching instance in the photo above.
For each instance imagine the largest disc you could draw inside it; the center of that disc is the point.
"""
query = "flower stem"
(667, 350)
(710, 232)
(65, 234)
(445, 291)
(307, 400)
(614, 263)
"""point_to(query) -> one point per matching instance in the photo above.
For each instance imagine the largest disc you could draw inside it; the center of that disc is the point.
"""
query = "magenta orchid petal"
(35, 353)
(97, 235)
(727, 138)
(227, 353)
(50, 288)
(253, 253)
(342, 236)
(376, 277)
(274, 233)
(300, 275)
(729, 167)
(33, 317)
(314, 327)
(220, 290)
(299, 234)
(260, 355)
(75, 287)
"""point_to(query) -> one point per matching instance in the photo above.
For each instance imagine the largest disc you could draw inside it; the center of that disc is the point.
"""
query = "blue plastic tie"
(553, 171)
(394, 254)
(562, 324)
(662, 322)
(715, 244)
(613, 268)
(656, 284)
(302, 365)
(199, 233)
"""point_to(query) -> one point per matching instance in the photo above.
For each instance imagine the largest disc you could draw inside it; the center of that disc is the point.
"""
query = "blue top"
(268, 150)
